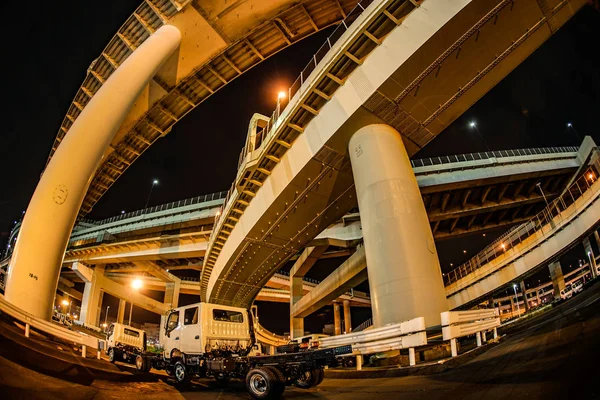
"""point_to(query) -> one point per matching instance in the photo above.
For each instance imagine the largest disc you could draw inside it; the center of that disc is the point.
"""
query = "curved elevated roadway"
(413, 65)
(221, 40)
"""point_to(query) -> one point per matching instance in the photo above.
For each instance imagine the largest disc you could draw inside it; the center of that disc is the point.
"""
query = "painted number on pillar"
(60, 194)
(33, 276)
(358, 151)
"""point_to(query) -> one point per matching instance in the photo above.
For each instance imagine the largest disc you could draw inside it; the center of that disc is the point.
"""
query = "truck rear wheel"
(309, 378)
(264, 383)
(142, 364)
(321, 376)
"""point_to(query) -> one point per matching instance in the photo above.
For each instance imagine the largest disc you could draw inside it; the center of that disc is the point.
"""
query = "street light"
(539, 185)
(136, 284)
(67, 303)
(473, 125)
(517, 298)
(570, 125)
(281, 95)
(154, 182)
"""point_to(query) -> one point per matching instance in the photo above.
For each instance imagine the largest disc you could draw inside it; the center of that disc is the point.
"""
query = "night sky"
(53, 43)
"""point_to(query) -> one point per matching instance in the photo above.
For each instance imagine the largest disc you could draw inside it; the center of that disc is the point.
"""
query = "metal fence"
(424, 162)
(162, 207)
(545, 221)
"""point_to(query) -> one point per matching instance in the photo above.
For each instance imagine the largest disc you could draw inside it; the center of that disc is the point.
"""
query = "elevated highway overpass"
(391, 66)
(415, 69)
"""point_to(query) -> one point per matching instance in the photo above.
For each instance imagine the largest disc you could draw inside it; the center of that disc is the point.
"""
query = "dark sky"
(53, 43)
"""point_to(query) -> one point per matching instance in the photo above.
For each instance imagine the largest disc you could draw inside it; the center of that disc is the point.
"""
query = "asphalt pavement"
(551, 356)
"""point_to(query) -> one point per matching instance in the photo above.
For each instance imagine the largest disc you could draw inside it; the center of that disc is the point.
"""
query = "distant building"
(152, 331)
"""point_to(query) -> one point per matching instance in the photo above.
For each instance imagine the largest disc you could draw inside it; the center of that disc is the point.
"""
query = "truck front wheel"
(263, 383)
(111, 355)
(180, 373)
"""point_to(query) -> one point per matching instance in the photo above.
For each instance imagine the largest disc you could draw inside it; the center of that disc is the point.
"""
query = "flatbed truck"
(209, 340)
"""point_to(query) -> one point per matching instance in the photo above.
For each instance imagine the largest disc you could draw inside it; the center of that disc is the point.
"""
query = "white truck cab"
(124, 343)
(202, 327)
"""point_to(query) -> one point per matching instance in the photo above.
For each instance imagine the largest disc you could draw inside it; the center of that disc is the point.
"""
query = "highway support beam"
(558, 280)
(53, 209)
(121, 311)
(337, 323)
(524, 291)
(303, 264)
(404, 272)
(589, 253)
(347, 317)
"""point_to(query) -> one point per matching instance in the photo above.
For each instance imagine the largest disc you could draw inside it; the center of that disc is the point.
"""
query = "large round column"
(37, 259)
(405, 279)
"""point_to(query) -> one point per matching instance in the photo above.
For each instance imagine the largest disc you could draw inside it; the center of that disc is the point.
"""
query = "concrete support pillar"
(91, 304)
(558, 280)
(121, 311)
(51, 214)
(359, 362)
(524, 291)
(347, 317)
(296, 292)
(172, 293)
(405, 279)
(589, 253)
(337, 323)
(512, 306)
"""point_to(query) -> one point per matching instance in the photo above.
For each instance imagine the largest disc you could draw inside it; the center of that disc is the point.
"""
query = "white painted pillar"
(26, 330)
(51, 214)
(478, 336)
(411, 356)
(359, 362)
(405, 279)
(495, 333)
(484, 336)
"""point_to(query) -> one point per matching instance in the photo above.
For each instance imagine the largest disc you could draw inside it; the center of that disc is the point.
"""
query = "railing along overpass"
(395, 63)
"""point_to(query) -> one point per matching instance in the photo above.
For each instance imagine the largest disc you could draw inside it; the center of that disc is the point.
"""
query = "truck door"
(190, 333)
(172, 333)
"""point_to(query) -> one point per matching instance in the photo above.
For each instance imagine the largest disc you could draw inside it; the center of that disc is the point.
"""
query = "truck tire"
(280, 377)
(180, 373)
(142, 364)
(263, 383)
(308, 378)
(111, 355)
(321, 376)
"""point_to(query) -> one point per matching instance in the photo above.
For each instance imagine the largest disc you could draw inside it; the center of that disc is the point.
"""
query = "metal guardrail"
(50, 328)
(424, 162)
(403, 335)
(549, 216)
(456, 324)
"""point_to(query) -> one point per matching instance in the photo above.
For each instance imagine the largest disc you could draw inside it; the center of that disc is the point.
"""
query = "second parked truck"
(209, 340)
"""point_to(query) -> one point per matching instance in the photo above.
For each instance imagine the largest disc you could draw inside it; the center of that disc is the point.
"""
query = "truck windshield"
(228, 316)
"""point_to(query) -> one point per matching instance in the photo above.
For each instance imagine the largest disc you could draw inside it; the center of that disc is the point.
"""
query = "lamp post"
(154, 182)
(517, 298)
(539, 185)
(136, 284)
(67, 303)
(106, 317)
